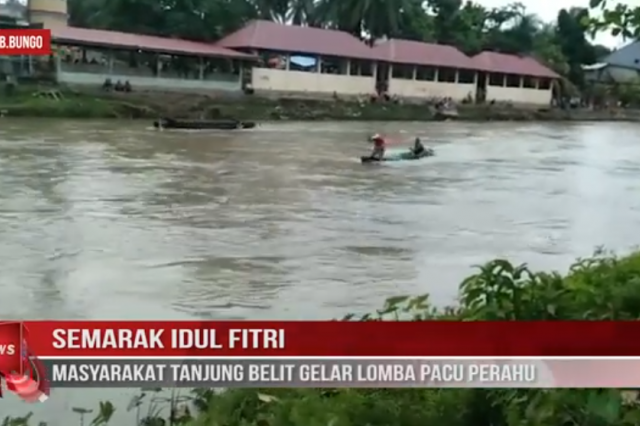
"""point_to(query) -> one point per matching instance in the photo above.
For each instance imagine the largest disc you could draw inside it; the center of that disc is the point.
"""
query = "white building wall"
(311, 82)
(283, 80)
(519, 95)
(139, 82)
(431, 89)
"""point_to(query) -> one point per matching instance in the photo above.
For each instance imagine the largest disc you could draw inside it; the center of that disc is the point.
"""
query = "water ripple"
(284, 222)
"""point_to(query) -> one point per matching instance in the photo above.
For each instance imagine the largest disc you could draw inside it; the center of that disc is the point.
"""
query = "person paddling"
(379, 147)
(418, 147)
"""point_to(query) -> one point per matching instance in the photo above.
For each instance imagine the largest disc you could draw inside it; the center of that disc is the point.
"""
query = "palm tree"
(273, 10)
(367, 19)
(301, 12)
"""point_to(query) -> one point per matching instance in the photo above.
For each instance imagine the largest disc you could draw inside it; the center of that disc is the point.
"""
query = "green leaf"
(606, 406)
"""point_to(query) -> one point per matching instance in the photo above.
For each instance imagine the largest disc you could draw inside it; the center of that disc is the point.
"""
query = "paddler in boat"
(419, 149)
(379, 147)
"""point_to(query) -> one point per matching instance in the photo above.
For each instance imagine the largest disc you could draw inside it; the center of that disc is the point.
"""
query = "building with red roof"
(273, 57)
(308, 60)
(88, 56)
(93, 57)
(512, 78)
(426, 70)
(311, 60)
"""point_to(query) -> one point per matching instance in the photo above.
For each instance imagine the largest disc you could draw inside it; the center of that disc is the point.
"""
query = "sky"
(547, 10)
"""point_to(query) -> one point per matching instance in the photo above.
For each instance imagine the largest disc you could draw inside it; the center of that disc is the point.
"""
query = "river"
(106, 220)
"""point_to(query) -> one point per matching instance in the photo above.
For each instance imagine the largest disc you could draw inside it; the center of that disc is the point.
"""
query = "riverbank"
(603, 287)
(151, 105)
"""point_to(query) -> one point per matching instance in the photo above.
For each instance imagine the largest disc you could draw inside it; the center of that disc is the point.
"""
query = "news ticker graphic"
(346, 372)
(25, 42)
(333, 338)
(35, 353)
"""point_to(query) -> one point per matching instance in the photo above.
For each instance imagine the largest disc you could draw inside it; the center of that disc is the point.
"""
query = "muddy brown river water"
(105, 220)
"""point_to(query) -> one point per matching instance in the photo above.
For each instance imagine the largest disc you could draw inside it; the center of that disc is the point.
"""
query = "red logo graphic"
(26, 388)
(23, 372)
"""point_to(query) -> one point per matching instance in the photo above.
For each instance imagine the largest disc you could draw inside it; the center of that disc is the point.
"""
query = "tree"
(205, 20)
(570, 35)
(548, 51)
(368, 19)
(621, 19)
(414, 23)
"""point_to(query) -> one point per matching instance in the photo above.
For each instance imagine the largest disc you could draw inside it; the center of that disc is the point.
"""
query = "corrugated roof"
(594, 67)
(511, 64)
(143, 42)
(625, 57)
(269, 35)
(418, 53)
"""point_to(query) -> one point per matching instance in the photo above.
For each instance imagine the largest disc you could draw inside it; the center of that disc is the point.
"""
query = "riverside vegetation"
(601, 287)
(32, 101)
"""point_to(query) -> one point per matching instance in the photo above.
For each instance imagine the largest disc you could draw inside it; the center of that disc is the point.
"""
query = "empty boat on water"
(218, 124)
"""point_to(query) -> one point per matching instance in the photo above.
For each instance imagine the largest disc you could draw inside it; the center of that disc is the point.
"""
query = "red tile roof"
(418, 53)
(511, 64)
(143, 42)
(267, 35)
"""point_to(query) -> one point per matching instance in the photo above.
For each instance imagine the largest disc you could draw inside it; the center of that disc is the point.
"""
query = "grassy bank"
(53, 103)
(603, 287)
(28, 102)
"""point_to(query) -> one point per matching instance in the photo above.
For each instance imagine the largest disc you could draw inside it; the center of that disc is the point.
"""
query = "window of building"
(466, 76)
(304, 63)
(362, 68)
(272, 60)
(93, 60)
(333, 65)
(175, 66)
(447, 75)
(425, 73)
(513, 80)
(496, 79)
(217, 66)
(402, 71)
(545, 84)
(529, 82)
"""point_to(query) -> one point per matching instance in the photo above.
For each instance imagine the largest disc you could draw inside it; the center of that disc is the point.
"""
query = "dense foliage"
(598, 288)
(621, 19)
(466, 25)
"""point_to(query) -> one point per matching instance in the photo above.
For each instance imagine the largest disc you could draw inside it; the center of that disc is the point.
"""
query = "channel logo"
(23, 373)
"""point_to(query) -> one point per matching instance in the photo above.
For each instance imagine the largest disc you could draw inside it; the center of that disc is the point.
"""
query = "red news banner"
(25, 42)
(316, 354)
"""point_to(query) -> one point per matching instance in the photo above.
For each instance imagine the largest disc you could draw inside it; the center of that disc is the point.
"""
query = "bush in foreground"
(602, 287)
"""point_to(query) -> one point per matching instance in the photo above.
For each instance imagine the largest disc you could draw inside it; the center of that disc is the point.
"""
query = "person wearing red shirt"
(379, 147)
